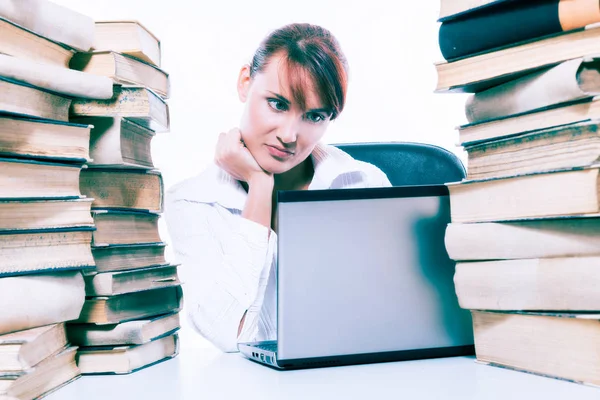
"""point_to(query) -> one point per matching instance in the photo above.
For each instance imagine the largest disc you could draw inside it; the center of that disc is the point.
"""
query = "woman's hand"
(233, 156)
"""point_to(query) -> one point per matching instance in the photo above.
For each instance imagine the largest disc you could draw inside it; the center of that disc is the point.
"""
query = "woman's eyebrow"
(286, 101)
(280, 97)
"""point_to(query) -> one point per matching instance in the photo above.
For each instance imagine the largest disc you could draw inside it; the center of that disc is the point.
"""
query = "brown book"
(20, 351)
(537, 238)
(126, 359)
(123, 189)
(25, 252)
(126, 333)
(29, 301)
(125, 257)
(22, 179)
(22, 43)
(554, 194)
(114, 227)
(121, 282)
(123, 69)
(117, 142)
(587, 110)
(553, 345)
(480, 72)
(26, 100)
(136, 103)
(128, 37)
(556, 284)
(131, 306)
(45, 139)
(45, 214)
(47, 377)
(548, 150)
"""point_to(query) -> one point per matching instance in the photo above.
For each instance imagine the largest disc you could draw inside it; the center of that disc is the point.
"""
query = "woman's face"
(276, 131)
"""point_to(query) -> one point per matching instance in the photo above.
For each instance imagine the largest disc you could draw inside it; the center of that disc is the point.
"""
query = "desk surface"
(206, 373)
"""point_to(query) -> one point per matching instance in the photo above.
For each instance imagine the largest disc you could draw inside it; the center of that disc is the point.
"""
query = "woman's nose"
(288, 131)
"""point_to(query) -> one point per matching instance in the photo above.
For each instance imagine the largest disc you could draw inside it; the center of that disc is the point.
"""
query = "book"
(510, 23)
(128, 37)
(18, 215)
(123, 189)
(139, 104)
(51, 20)
(126, 333)
(121, 282)
(33, 251)
(586, 110)
(126, 359)
(556, 284)
(118, 142)
(553, 194)
(22, 179)
(552, 345)
(22, 43)
(131, 306)
(125, 257)
(124, 227)
(46, 139)
(538, 238)
(47, 377)
(124, 69)
(456, 8)
(480, 72)
(23, 99)
(20, 351)
(58, 80)
(569, 146)
(29, 301)
(568, 81)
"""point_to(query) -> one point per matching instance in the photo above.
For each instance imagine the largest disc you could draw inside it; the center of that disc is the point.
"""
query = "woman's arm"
(225, 264)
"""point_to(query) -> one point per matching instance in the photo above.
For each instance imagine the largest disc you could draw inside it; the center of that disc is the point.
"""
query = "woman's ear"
(243, 85)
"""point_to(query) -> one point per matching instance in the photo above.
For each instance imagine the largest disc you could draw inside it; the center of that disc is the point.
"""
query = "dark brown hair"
(309, 50)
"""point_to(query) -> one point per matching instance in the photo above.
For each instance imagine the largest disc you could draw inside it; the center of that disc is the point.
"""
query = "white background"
(391, 47)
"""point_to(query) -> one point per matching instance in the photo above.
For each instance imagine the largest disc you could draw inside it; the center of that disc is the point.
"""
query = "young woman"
(222, 223)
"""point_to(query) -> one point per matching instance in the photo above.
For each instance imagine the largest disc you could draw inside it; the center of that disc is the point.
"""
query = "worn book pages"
(56, 79)
(41, 299)
(51, 20)
(546, 88)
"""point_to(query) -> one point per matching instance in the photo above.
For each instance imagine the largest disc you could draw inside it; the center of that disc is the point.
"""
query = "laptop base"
(260, 353)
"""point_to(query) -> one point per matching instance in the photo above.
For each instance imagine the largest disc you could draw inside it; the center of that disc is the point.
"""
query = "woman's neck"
(297, 178)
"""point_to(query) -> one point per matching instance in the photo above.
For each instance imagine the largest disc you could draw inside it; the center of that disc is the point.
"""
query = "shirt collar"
(218, 186)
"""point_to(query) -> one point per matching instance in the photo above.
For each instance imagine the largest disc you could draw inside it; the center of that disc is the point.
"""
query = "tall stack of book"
(130, 316)
(45, 223)
(525, 228)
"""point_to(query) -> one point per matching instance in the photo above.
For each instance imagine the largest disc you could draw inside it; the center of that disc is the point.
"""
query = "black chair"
(409, 163)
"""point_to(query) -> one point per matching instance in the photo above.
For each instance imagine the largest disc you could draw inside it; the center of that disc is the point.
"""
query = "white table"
(208, 374)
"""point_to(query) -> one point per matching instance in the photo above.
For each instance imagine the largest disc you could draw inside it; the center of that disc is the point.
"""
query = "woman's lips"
(279, 153)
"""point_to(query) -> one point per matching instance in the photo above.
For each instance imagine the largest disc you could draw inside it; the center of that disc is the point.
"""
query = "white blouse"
(228, 263)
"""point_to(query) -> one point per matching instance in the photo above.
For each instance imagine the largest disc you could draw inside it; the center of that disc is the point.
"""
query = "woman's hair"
(309, 52)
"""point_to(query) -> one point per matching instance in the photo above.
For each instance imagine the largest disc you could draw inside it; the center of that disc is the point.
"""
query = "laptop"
(363, 276)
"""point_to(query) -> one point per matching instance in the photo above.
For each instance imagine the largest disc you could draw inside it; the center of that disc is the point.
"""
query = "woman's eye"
(315, 117)
(277, 105)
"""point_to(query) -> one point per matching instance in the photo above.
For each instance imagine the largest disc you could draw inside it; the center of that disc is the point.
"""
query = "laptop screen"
(366, 271)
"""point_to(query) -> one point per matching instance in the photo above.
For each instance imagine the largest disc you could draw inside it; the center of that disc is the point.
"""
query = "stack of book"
(45, 223)
(130, 316)
(525, 228)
